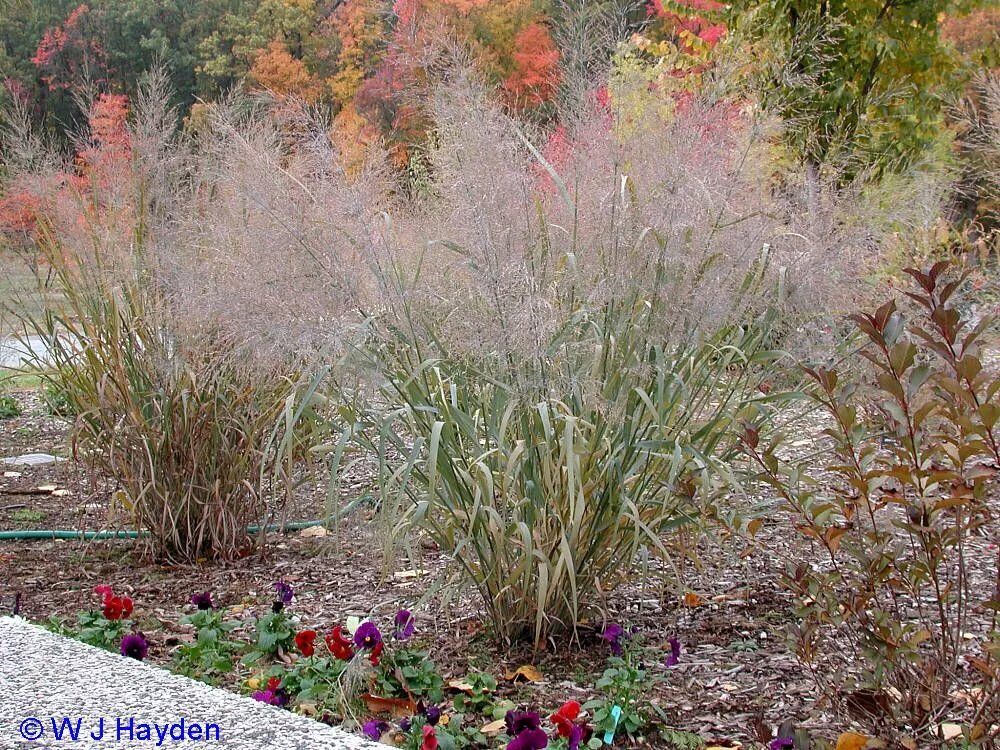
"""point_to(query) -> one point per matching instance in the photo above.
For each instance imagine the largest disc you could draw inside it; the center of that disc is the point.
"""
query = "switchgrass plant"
(562, 363)
(190, 434)
(200, 435)
(545, 500)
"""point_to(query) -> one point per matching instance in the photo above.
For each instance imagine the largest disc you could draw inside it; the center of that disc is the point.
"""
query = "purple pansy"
(134, 646)
(575, 737)
(404, 625)
(270, 697)
(367, 635)
(675, 653)
(519, 721)
(529, 739)
(782, 743)
(613, 633)
(203, 600)
(432, 713)
(285, 591)
(374, 730)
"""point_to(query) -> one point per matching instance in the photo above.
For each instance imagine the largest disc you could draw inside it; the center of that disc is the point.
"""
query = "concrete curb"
(45, 676)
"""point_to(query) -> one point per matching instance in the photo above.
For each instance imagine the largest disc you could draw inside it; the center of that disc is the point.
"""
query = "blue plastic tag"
(616, 714)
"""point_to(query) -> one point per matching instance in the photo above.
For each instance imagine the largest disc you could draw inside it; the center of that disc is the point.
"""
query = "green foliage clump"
(860, 84)
(9, 406)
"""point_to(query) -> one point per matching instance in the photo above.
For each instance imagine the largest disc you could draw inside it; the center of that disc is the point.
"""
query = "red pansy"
(564, 717)
(338, 644)
(304, 642)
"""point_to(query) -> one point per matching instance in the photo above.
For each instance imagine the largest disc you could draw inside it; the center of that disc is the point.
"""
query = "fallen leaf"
(313, 531)
(48, 487)
(12, 474)
(852, 741)
(402, 575)
(526, 672)
(981, 665)
(462, 685)
(493, 727)
(398, 707)
(61, 493)
(692, 599)
(949, 731)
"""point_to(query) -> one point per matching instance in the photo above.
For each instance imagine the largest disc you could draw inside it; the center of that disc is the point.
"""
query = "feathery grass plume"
(571, 331)
(195, 431)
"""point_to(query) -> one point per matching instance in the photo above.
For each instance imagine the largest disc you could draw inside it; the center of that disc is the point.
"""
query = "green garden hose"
(86, 536)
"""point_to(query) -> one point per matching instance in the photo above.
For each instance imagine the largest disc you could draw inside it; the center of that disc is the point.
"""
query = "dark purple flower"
(575, 737)
(433, 714)
(519, 721)
(134, 646)
(374, 730)
(782, 743)
(405, 724)
(285, 592)
(367, 635)
(404, 625)
(675, 652)
(613, 635)
(270, 697)
(203, 600)
(529, 739)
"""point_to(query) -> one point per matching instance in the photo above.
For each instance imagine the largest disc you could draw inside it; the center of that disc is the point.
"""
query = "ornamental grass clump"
(199, 434)
(188, 432)
(565, 355)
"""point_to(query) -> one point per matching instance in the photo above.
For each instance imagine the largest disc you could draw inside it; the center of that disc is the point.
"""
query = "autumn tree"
(536, 68)
(70, 53)
(859, 82)
(278, 72)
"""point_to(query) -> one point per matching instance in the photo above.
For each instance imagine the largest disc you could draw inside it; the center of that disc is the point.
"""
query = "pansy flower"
(519, 721)
(529, 739)
(367, 636)
(134, 646)
(431, 713)
(577, 735)
(374, 730)
(430, 741)
(338, 644)
(782, 743)
(272, 694)
(304, 641)
(115, 607)
(376, 655)
(565, 717)
(269, 697)
(284, 591)
(675, 652)
(613, 635)
(203, 600)
(405, 625)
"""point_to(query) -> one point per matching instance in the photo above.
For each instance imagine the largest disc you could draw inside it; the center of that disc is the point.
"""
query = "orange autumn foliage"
(536, 74)
(275, 70)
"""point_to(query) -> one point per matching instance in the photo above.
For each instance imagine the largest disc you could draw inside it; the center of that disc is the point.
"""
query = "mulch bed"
(735, 670)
